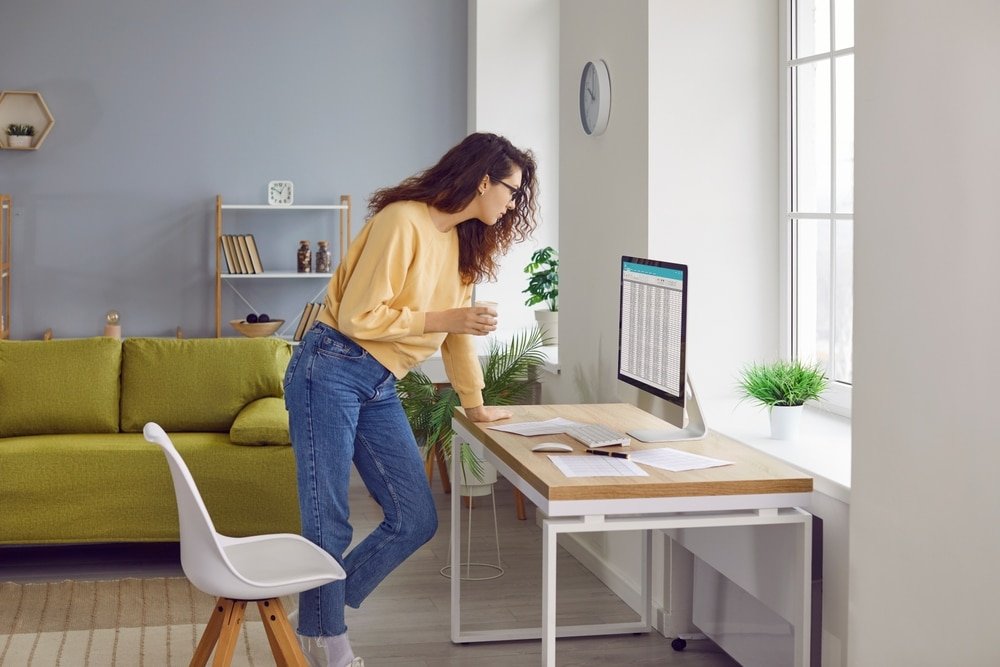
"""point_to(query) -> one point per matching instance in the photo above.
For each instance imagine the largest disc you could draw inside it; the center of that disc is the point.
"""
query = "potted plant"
(783, 387)
(508, 373)
(543, 286)
(19, 135)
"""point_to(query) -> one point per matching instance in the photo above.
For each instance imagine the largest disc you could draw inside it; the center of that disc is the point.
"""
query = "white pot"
(785, 421)
(19, 141)
(473, 485)
(548, 321)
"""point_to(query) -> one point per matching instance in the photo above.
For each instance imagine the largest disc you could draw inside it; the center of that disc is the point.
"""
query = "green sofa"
(75, 468)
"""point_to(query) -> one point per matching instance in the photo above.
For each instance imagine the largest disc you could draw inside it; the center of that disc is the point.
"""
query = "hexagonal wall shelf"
(24, 106)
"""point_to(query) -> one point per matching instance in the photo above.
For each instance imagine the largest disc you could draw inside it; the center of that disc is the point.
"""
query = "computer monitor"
(652, 340)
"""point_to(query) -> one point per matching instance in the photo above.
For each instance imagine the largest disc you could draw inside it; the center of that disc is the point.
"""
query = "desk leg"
(647, 579)
(803, 629)
(549, 551)
(456, 545)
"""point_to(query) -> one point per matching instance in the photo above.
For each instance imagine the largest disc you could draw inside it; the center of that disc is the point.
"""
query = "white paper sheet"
(573, 465)
(675, 460)
(547, 427)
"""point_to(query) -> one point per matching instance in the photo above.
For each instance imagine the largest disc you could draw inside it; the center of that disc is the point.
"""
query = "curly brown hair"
(452, 183)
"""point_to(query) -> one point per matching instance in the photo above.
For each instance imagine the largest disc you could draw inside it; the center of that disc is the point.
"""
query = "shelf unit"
(221, 276)
(5, 213)
(24, 106)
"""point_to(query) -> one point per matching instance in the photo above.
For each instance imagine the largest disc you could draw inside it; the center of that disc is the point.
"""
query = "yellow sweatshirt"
(398, 269)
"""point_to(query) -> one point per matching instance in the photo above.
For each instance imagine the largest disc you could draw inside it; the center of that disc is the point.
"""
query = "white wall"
(604, 200)
(686, 171)
(161, 106)
(604, 194)
(513, 78)
(925, 502)
(713, 175)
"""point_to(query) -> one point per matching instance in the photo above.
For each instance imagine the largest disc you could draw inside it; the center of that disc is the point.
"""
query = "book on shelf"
(308, 318)
(239, 266)
(315, 314)
(232, 266)
(241, 242)
(301, 326)
(254, 255)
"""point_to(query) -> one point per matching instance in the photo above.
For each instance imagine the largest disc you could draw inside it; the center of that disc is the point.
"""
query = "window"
(818, 187)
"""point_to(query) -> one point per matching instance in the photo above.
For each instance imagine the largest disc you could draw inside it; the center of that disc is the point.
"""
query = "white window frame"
(837, 398)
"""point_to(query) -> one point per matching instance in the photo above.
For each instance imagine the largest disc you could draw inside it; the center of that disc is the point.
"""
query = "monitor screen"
(652, 327)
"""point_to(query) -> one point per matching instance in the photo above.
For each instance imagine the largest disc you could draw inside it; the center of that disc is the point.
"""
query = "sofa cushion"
(263, 422)
(59, 386)
(116, 487)
(197, 384)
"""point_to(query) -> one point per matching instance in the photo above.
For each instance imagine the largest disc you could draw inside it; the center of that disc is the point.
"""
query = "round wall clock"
(280, 193)
(595, 97)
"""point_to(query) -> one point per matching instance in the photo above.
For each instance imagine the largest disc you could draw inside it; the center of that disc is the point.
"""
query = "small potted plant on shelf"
(508, 373)
(19, 135)
(783, 387)
(543, 286)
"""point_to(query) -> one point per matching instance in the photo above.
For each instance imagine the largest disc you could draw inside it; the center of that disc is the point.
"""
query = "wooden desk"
(756, 490)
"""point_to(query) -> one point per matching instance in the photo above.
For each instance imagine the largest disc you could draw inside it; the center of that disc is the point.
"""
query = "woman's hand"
(487, 413)
(477, 320)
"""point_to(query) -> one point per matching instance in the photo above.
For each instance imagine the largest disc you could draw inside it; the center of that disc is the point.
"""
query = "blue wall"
(161, 106)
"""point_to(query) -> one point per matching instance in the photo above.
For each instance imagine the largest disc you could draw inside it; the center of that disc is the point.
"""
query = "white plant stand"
(473, 486)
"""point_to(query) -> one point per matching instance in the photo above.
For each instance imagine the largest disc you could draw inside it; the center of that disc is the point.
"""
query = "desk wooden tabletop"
(753, 472)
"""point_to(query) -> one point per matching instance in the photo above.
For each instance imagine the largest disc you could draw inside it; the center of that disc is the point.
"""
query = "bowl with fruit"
(256, 325)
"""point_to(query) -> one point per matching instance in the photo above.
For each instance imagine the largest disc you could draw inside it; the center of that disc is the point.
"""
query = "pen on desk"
(601, 452)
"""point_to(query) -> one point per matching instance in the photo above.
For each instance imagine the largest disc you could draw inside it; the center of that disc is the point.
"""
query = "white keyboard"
(596, 435)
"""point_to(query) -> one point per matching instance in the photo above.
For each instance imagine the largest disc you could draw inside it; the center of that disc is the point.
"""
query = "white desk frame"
(643, 514)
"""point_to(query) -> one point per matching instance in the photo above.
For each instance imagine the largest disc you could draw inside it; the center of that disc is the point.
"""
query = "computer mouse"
(552, 447)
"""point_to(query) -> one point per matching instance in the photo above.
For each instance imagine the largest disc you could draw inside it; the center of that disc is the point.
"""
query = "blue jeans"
(342, 407)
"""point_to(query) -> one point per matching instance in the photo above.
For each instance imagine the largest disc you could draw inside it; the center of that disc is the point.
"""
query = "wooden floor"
(405, 622)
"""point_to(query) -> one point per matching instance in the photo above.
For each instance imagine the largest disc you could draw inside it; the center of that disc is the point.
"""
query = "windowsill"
(822, 450)
(551, 364)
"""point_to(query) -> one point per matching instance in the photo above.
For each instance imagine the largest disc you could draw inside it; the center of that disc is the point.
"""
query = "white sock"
(338, 650)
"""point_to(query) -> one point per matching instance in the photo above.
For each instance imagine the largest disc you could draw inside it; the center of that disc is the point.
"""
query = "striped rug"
(134, 622)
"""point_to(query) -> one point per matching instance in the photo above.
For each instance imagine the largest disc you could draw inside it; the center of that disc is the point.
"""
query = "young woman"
(403, 291)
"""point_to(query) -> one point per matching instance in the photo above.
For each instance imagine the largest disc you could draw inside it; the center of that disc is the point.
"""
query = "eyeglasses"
(515, 193)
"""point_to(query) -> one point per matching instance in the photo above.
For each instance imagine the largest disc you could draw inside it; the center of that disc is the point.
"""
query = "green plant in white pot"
(543, 287)
(19, 135)
(783, 387)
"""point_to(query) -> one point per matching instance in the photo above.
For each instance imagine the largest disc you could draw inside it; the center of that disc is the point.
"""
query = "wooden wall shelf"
(24, 106)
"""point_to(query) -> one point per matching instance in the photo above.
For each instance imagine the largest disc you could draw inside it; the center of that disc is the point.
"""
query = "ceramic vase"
(785, 421)
(481, 485)
(19, 141)
(548, 322)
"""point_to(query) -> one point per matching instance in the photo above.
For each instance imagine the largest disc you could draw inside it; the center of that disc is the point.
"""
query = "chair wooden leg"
(232, 623)
(519, 504)
(211, 634)
(280, 635)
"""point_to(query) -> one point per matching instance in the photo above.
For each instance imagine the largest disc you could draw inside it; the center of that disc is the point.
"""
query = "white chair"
(238, 570)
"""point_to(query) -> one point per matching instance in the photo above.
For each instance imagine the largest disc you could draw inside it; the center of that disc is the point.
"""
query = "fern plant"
(782, 383)
(508, 372)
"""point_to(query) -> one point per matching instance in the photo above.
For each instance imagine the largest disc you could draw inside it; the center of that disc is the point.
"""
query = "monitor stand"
(695, 429)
